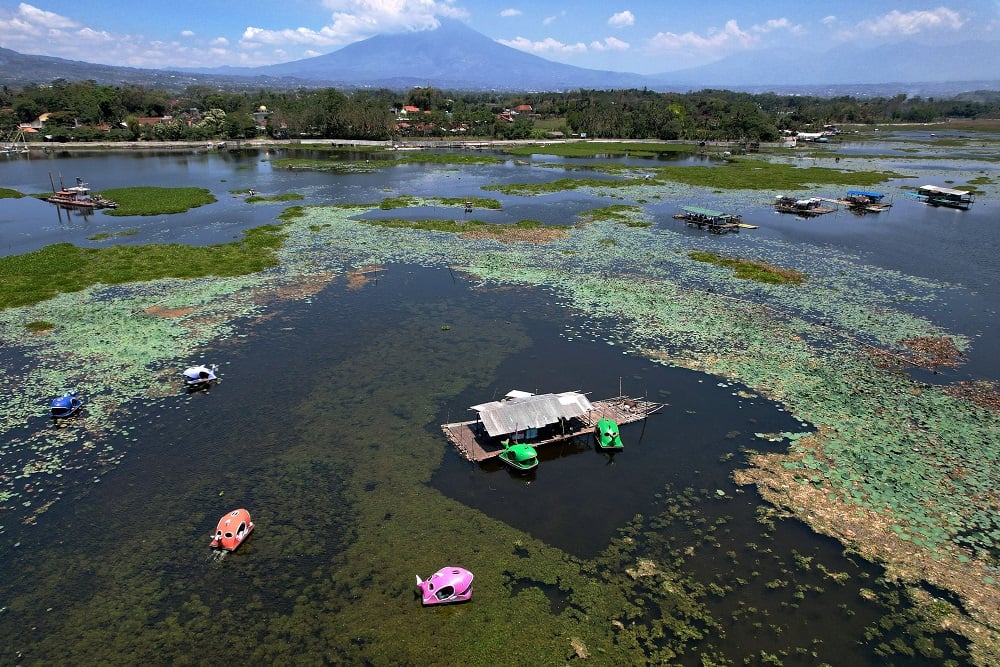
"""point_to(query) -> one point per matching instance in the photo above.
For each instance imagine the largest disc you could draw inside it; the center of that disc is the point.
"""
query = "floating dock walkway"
(472, 441)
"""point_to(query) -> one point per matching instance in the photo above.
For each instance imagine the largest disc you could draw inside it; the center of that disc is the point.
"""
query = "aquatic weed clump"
(628, 215)
(149, 200)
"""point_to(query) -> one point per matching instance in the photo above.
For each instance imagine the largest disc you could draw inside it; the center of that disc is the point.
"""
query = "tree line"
(86, 111)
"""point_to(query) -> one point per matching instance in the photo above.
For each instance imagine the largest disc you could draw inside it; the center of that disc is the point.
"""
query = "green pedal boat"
(606, 434)
(519, 457)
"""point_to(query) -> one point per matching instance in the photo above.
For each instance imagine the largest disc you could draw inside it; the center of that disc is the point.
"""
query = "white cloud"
(548, 20)
(610, 44)
(897, 23)
(622, 19)
(27, 25)
(256, 37)
(353, 20)
(730, 37)
(778, 24)
(91, 36)
(507, 13)
(33, 15)
(719, 42)
(28, 29)
(547, 46)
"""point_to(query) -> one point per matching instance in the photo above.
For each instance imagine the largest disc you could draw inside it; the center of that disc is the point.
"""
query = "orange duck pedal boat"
(233, 528)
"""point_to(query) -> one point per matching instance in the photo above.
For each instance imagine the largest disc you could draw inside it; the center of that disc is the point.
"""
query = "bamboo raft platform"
(716, 222)
(472, 441)
(864, 207)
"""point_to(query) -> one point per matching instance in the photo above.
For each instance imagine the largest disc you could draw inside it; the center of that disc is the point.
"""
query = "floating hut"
(809, 207)
(861, 201)
(716, 222)
(538, 419)
(938, 196)
(865, 201)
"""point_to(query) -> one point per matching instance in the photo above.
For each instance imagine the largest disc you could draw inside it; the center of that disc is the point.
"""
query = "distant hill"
(456, 57)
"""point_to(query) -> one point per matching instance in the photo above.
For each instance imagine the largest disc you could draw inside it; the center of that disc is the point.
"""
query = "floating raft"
(861, 201)
(716, 222)
(472, 441)
(803, 207)
(938, 196)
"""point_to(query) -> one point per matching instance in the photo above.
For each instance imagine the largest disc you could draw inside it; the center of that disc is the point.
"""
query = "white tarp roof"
(944, 191)
(530, 411)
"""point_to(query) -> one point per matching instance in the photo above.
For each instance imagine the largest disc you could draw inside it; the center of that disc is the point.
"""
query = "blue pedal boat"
(66, 405)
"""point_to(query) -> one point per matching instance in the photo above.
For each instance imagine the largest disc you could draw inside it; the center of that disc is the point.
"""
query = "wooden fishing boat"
(80, 196)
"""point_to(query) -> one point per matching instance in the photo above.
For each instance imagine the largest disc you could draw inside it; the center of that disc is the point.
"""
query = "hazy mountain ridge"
(845, 65)
(18, 70)
(456, 57)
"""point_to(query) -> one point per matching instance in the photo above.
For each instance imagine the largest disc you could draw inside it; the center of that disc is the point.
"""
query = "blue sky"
(641, 36)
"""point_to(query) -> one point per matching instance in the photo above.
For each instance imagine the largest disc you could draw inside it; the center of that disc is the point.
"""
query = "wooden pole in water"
(52, 182)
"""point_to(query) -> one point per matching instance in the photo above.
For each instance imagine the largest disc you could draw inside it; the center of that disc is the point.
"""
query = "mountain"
(456, 57)
(902, 62)
(18, 70)
(453, 57)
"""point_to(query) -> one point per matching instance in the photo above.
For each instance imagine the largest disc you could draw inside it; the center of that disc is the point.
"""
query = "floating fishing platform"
(808, 208)
(950, 197)
(862, 201)
(474, 441)
(716, 222)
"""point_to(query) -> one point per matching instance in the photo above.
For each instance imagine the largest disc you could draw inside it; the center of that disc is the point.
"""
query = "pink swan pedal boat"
(233, 528)
(447, 585)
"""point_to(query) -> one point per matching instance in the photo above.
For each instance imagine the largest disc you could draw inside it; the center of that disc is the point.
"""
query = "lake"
(326, 426)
